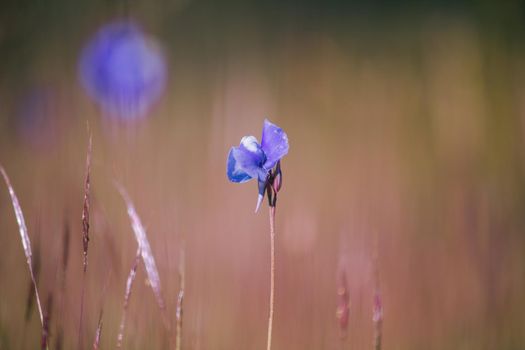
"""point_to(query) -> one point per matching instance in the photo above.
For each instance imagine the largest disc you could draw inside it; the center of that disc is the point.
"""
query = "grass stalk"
(62, 293)
(98, 333)
(377, 315)
(85, 235)
(343, 305)
(146, 253)
(127, 293)
(378, 321)
(24, 236)
(47, 319)
(180, 300)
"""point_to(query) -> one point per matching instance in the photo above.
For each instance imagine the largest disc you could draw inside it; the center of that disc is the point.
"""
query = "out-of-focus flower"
(36, 121)
(253, 160)
(123, 70)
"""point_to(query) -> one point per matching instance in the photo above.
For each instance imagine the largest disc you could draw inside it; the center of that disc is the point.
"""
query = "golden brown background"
(406, 125)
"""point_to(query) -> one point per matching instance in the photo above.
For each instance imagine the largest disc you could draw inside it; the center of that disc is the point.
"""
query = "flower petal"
(234, 170)
(274, 143)
(245, 162)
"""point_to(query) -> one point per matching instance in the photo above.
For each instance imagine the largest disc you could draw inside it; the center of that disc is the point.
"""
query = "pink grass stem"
(272, 275)
(24, 236)
(129, 284)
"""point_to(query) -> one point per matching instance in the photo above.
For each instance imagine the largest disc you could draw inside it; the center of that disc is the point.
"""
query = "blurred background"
(406, 123)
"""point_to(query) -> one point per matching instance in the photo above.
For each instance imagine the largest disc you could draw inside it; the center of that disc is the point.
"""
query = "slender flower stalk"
(272, 275)
(24, 236)
(273, 185)
(251, 160)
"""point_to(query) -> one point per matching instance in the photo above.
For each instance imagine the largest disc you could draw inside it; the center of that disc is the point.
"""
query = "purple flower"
(36, 122)
(253, 160)
(123, 70)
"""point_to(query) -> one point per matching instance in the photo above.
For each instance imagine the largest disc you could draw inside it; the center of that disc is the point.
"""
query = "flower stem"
(272, 275)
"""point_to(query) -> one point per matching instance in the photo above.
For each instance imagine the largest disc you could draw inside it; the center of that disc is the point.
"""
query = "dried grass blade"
(98, 333)
(65, 254)
(36, 272)
(377, 313)
(26, 243)
(142, 240)
(343, 304)
(85, 235)
(129, 284)
(85, 210)
(47, 320)
(180, 300)
(62, 291)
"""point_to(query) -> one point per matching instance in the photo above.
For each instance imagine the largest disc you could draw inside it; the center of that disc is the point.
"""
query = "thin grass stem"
(377, 315)
(180, 300)
(129, 285)
(85, 235)
(98, 333)
(24, 236)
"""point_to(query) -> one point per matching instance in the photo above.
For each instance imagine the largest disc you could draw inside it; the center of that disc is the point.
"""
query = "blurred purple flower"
(123, 70)
(254, 160)
(36, 122)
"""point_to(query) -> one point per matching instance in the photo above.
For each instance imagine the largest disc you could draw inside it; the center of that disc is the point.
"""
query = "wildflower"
(35, 113)
(253, 160)
(123, 70)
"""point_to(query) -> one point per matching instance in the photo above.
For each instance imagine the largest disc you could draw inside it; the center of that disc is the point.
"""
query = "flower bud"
(277, 178)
